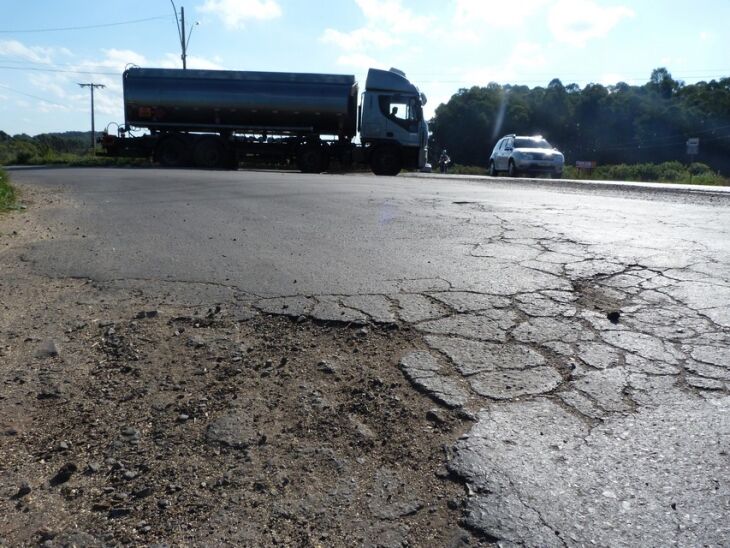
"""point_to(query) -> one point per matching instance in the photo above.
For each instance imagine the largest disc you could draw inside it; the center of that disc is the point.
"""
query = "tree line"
(46, 147)
(619, 124)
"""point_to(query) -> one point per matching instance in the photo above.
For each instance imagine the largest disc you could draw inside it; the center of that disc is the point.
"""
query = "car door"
(494, 157)
(504, 153)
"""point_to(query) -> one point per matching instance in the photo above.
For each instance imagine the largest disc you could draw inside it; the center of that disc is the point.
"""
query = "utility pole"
(184, 40)
(91, 86)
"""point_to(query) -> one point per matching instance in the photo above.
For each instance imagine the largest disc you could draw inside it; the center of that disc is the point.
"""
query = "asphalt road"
(587, 327)
(290, 234)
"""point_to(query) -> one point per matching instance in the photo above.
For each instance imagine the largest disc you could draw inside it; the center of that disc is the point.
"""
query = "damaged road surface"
(270, 358)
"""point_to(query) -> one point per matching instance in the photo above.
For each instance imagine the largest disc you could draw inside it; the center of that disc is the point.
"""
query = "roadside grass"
(8, 194)
(458, 169)
(73, 160)
(667, 172)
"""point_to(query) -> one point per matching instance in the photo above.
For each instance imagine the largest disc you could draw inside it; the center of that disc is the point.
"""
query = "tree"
(614, 124)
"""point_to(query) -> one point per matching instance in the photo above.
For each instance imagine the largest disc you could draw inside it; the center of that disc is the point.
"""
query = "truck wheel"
(209, 153)
(231, 160)
(311, 159)
(172, 152)
(385, 161)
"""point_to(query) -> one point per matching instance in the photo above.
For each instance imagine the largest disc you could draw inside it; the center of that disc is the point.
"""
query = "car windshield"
(532, 143)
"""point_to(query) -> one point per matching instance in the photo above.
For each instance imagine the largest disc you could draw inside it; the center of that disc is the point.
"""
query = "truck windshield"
(532, 143)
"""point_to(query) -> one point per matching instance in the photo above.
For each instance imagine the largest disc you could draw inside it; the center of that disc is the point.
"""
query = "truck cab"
(392, 126)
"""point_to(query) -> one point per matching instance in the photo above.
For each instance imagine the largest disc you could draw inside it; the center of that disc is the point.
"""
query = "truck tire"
(210, 153)
(172, 152)
(385, 161)
(311, 159)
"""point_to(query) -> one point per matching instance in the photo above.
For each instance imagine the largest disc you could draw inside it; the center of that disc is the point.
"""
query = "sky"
(47, 47)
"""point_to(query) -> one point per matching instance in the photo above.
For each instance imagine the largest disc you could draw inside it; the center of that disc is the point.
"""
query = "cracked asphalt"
(584, 331)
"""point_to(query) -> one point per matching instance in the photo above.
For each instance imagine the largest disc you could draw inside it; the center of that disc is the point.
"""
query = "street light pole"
(91, 86)
(184, 40)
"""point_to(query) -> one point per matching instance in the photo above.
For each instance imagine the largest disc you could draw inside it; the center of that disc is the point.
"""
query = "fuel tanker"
(218, 119)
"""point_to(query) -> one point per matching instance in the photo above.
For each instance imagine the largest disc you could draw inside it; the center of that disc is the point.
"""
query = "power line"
(47, 64)
(34, 69)
(31, 96)
(85, 27)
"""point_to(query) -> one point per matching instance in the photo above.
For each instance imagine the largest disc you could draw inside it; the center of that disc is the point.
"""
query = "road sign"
(585, 165)
(693, 146)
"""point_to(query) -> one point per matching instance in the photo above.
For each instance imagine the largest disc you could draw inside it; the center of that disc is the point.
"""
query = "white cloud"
(172, 60)
(577, 21)
(392, 14)
(525, 55)
(611, 79)
(35, 54)
(359, 39)
(235, 13)
(118, 59)
(385, 22)
(497, 13)
(359, 61)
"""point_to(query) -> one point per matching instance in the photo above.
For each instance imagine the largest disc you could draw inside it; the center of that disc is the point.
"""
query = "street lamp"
(184, 40)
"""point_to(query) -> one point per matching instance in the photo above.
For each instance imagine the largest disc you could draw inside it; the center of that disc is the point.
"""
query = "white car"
(516, 155)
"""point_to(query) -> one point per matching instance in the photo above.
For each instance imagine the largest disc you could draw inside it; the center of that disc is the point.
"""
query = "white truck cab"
(392, 125)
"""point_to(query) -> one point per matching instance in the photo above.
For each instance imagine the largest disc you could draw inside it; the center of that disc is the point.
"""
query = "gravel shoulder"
(149, 412)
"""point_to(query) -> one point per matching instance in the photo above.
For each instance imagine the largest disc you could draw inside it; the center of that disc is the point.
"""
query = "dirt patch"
(125, 420)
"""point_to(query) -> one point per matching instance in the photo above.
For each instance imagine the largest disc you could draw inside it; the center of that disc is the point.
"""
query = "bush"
(668, 172)
(7, 192)
(458, 169)
(698, 168)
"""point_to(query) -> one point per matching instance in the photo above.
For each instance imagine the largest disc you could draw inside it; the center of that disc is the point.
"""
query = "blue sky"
(442, 45)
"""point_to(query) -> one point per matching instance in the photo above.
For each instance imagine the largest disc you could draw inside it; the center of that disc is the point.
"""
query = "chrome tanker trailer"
(215, 118)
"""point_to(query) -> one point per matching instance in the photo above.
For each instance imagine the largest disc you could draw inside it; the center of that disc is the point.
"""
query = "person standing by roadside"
(444, 161)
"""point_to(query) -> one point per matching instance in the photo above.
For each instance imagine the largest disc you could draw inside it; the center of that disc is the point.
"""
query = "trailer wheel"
(172, 152)
(385, 161)
(310, 159)
(209, 153)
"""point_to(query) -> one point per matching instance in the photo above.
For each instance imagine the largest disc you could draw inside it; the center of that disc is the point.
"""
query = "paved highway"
(587, 328)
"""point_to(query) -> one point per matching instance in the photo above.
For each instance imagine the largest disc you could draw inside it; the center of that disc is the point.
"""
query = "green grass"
(8, 194)
(458, 169)
(70, 159)
(668, 172)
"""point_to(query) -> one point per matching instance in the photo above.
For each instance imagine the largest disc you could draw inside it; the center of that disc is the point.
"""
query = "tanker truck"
(218, 119)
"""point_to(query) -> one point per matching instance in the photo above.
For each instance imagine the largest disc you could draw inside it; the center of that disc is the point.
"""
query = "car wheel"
(492, 169)
(558, 175)
(512, 169)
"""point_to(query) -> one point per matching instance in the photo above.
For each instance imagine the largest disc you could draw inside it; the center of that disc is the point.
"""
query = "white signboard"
(693, 146)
